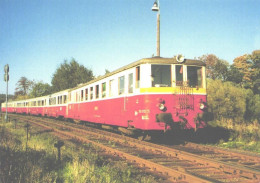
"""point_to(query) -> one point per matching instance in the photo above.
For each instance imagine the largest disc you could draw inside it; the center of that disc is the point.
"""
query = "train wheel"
(144, 137)
(141, 137)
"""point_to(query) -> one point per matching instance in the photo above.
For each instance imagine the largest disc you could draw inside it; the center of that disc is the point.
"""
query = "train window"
(97, 91)
(137, 77)
(179, 75)
(130, 83)
(121, 85)
(103, 90)
(194, 75)
(86, 94)
(64, 99)
(53, 101)
(82, 95)
(111, 87)
(91, 93)
(78, 96)
(161, 75)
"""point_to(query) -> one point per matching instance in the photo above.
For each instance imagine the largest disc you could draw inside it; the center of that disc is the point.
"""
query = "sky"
(36, 36)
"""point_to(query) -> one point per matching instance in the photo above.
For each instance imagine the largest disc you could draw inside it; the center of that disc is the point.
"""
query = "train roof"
(152, 60)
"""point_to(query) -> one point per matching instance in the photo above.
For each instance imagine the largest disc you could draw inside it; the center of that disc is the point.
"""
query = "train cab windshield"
(178, 75)
(161, 75)
(194, 75)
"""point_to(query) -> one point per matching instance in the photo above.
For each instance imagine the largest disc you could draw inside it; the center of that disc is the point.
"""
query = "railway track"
(242, 159)
(175, 164)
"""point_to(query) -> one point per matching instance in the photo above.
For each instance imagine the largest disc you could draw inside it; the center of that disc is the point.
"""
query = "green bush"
(226, 101)
(231, 103)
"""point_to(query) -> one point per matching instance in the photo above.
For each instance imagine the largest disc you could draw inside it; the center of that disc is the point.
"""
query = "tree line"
(67, 75)
(234, 90)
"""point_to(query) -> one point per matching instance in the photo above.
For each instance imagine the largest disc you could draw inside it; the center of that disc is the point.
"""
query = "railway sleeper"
(123, 154)
(247, 175)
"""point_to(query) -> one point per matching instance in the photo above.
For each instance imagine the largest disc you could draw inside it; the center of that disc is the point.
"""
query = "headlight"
(161, 107)
(202, 106)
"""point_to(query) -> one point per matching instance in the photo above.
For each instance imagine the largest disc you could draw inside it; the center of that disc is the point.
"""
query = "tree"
(107, 71)
(23, 87)
(69, 75)
(210, 60)
(40, 89)
(256, 107)
(3, 98)
(226, 100)
(255, 57)
(215, 67)
(244, 65)
(234, 75)
(253, 106)
(221, 70)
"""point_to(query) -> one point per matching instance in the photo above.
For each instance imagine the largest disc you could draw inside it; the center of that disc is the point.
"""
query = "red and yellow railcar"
(152, 94)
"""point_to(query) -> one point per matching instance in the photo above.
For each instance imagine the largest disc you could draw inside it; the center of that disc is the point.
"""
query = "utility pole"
(6, 78)
(156, 8)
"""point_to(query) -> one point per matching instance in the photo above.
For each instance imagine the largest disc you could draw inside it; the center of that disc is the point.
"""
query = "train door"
(76, 105)
(126, 88)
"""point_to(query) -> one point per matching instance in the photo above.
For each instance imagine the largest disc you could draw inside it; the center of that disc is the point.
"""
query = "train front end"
(172, 95)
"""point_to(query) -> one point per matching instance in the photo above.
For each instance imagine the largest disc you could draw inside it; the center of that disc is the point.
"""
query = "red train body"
(153, 94)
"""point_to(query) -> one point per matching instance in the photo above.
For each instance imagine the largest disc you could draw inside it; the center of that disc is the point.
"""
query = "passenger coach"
(152, 94)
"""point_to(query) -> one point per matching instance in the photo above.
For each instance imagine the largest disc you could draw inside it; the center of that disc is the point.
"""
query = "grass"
(241, 136)
(36, 160)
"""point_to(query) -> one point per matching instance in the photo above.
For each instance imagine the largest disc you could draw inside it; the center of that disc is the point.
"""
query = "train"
(149, 95)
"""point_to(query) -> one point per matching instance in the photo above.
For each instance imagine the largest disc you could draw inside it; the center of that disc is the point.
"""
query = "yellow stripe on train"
(173, 90)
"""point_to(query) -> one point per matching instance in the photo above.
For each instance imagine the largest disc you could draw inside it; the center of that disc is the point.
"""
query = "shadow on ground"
(208, 135)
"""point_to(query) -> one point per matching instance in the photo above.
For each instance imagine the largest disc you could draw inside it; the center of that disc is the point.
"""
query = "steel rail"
(223, 155)
(174, 175)
(206, 163)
